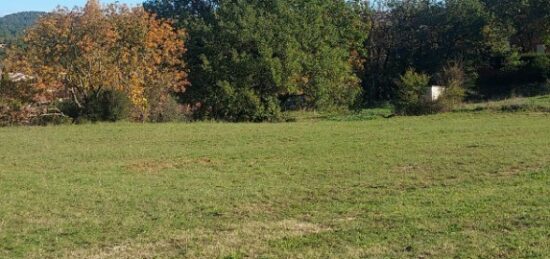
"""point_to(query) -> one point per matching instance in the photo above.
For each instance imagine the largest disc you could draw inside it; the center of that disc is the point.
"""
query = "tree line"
(250, 60)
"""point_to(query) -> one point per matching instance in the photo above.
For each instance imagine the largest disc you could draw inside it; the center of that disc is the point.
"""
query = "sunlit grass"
(529, 104)
(452, 185)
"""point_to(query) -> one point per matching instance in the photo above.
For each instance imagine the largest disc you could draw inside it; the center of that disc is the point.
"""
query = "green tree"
(425, 35)
(412, 88)
(248, 55)
(529, 20)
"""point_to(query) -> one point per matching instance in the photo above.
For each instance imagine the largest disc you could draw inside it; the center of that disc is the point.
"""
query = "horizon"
(10, 7)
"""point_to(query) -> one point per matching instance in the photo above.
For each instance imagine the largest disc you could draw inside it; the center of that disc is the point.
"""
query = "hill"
(14, 25)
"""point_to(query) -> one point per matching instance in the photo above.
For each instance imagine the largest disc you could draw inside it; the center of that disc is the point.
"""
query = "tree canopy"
(250, 60)
(80, 53)
(426, 35)
(246, 56)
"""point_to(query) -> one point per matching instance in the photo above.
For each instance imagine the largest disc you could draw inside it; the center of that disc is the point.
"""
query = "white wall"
(434, 92)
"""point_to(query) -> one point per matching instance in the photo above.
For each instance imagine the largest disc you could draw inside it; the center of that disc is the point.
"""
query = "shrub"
(237, 104)
(107, 105)
(164, 109)
(50, 117)
(10, 112)
(411, 89)
(451, 98)
(70, 109)
(453, 78)
(13, 113)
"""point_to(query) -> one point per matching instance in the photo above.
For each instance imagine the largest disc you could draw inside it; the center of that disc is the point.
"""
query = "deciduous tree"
(85, 51)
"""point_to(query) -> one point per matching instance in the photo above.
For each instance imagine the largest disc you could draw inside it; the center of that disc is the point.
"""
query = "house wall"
(434, 92)
(437, 92)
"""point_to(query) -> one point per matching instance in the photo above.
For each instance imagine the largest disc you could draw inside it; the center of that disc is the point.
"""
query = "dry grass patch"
(251, 240)
(159, 166)
(150, 166)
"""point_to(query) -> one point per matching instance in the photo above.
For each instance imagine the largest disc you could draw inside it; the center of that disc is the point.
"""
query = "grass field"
(533, 104)
(456, 185)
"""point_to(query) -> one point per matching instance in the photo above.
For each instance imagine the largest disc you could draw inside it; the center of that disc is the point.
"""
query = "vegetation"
(345, 177)
(453, 185)
(486, 37)
(247, 56)
(518, 104)
(526, 75)
(251, 60)
(411, 94)
(13, 25)
(84, 55)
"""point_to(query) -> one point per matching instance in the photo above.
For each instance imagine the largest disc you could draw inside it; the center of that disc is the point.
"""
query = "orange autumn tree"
(75, 54)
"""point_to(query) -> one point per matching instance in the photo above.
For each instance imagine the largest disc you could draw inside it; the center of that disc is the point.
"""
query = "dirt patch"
(149, 166)
(127, 251)
(159, 166)
(250, 240)
(411, 168)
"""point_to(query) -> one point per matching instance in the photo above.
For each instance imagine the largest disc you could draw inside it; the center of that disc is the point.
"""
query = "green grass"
(456, 185)
(362, 115)
(522, 104)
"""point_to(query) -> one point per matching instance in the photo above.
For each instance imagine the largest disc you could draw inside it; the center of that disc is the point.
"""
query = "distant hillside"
(14, 25)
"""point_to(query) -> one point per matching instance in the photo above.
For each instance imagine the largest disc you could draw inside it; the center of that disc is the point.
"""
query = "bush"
(411, 89)
(100, 106)
(238, 105)
(15, 99)
(453, 78)
(51, 117)
(451, 98)
(164, 109)
(13, 113)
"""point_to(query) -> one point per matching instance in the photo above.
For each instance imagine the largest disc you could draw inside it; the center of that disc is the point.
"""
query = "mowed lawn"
(456, 185)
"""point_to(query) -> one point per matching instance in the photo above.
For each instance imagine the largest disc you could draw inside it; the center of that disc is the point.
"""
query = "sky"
(14, 6)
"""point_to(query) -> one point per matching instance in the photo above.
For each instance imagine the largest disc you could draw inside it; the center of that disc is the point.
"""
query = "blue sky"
(13, 6)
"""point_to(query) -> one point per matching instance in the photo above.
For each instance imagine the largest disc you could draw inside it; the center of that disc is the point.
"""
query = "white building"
(434, 92)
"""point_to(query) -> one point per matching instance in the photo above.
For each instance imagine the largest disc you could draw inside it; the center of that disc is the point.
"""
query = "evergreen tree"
(245, 56)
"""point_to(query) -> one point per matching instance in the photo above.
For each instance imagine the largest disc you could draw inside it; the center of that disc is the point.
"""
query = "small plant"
(412, 87)
(453, 78)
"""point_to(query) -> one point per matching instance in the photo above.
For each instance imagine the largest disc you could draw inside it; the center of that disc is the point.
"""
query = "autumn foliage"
(74, 55)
